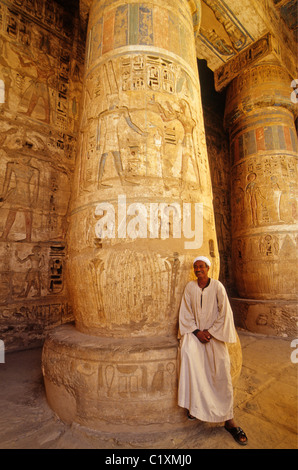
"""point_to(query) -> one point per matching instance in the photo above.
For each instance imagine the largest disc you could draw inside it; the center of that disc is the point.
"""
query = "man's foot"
(237, 433)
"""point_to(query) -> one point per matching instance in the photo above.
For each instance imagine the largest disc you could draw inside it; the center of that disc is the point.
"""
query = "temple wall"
(40, 68)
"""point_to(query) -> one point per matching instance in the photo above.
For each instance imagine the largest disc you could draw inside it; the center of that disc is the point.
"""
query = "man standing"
(205, 324)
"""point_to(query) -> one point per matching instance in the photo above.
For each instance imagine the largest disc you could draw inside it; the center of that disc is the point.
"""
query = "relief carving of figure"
(269, 246)
(277, 194)
(184, 116)
(33, 277)
(38, 90)
(20, 197)
(253, 191)
(108, 136)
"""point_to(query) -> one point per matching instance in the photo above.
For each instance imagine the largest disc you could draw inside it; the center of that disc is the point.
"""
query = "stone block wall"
(41, 61)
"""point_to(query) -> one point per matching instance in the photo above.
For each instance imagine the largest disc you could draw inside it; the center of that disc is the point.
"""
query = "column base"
(117, 385)
(267, 317)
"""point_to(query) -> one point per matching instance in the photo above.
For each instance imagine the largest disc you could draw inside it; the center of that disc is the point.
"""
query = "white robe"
(205, 385)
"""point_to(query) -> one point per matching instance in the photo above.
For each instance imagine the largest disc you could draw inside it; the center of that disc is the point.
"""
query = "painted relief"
(264, 183)
(221, 31)
(132, 303)
(134, 24)
(141, 136)
(264, 195)
(225, 74)
(21, 196)
(31, 271)
(125, 146)
(264, 192)
(40, 68)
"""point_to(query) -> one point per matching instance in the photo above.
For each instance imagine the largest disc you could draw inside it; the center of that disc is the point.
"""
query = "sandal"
(190, 416)
(237, 433)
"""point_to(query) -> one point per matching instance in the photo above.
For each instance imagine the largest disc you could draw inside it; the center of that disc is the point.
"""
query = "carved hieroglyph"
(260, 116)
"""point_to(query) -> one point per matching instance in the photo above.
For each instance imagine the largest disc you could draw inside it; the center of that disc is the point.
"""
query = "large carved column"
(142, 169)
(259, 114)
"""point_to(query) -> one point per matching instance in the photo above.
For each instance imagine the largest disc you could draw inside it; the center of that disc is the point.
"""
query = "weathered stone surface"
(40, 68)
(265, 407)
(108, 383)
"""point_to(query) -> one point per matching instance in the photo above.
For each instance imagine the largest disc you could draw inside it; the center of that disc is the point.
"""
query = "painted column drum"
(260, 116)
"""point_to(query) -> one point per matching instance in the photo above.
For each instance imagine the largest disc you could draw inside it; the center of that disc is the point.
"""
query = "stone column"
(142, 176)
(260, 117)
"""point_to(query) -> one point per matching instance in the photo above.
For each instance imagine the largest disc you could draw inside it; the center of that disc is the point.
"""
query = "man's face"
(201, 269)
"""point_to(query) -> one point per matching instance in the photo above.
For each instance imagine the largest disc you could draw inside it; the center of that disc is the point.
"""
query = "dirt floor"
(265, 407)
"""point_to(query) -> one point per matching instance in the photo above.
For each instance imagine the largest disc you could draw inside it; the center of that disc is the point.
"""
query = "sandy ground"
(265, 407)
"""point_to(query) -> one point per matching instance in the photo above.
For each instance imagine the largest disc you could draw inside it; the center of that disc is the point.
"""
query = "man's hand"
(203, 336)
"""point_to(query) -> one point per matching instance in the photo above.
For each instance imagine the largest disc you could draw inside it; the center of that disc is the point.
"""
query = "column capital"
(265, 47)
(194, 5)
(264, 84)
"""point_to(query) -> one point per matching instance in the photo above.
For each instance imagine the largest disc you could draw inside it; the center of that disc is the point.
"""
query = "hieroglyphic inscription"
(136, 380)
(39, 68)
(118, 133)
(225, 74)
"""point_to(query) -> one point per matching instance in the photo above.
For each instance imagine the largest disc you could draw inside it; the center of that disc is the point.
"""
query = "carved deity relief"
(33, 276)
(36, 68)
(269, 245)
(264, 192)
(255, 198)
(108, 127)
(34, 199)
(38, 90)
(21, 196)
(132, 303)
(31, 271)
(123, 144)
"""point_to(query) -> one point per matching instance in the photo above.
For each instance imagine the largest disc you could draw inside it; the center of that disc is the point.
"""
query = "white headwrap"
(203, 258)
